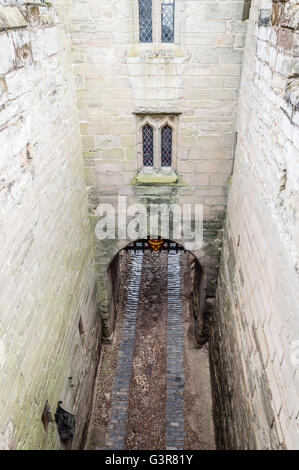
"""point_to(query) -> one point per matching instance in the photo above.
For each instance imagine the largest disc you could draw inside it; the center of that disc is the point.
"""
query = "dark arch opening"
(200, 314)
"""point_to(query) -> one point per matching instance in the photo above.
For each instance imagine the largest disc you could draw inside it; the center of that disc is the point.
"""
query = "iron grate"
(144, 244)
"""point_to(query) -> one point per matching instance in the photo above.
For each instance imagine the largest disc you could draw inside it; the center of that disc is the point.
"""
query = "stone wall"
(46, 263)
(255, 344)
(192, 82)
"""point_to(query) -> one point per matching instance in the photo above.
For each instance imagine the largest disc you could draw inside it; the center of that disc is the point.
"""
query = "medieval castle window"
(166, 145)
(246, 9)
(157, 141)
(167, 21)
(148, 145)
(145, 21)
(151, 12)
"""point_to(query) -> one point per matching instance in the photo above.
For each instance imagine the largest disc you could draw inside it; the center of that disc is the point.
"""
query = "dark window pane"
(167, 20)
(148, 145)
(246, 9)
(145, 21)
(166, 146)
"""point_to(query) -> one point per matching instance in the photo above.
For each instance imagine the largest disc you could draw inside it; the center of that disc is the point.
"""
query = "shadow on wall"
(114, 281)
(202, 310)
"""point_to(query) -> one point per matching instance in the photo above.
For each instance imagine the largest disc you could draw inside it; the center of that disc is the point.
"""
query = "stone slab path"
(120, 393)
(175, 377)
(149, 392)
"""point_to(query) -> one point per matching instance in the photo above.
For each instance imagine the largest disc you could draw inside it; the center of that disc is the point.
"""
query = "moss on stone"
(155, 178)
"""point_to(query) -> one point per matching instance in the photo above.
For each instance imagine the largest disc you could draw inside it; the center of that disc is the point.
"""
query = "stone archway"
(203, 274)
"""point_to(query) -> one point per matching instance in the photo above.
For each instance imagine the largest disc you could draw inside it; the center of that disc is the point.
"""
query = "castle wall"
(122, 83)
(254, 348)
(46, 262)
(49, 285)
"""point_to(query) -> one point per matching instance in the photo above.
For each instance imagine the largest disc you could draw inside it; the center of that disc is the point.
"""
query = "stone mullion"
(157, 155)
(156, 21)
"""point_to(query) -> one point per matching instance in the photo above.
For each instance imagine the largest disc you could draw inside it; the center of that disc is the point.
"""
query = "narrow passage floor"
(153, 385)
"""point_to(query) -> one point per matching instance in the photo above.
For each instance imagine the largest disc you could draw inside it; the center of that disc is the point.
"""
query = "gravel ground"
(102, 397)
(146, 417)
(199, 426)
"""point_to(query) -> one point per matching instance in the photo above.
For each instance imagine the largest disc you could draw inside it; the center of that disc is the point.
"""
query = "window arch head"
(167, 20)
(145, 21)
(148, 145)
(166, 145)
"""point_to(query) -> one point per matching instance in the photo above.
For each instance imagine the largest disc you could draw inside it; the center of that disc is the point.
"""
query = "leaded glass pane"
(167, 20)
(148, 145)
(166, 146)
(145, 21)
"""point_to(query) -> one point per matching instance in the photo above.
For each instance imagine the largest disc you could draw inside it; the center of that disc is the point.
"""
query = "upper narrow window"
(166, 146)
(246, 9)
(148, 145)
(167, 20)
(145, 21)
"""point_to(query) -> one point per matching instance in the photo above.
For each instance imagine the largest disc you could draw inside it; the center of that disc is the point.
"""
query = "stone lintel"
(157, 112)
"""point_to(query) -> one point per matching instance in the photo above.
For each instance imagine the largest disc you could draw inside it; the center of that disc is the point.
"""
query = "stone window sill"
(152, 176)
(156, 52)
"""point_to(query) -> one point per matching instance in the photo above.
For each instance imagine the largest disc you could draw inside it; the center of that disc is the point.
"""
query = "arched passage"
(199, 274)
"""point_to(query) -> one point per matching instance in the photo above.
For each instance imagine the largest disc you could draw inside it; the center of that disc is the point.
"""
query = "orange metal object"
(155, 244)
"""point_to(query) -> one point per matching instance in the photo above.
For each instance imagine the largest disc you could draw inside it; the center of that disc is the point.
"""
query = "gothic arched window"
(148, 145)
(145, 21)
(167, 21)
(166, 145)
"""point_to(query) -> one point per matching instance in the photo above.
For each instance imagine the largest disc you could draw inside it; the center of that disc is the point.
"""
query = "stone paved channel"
(153, 386)
(119, 408)
(175, 376)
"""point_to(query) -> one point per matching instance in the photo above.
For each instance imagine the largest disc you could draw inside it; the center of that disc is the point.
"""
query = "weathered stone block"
(11, 18)
(7, 53)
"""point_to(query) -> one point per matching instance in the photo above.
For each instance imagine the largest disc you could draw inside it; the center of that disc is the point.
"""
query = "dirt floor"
(145, 427)
(104, 382)
(146, 417)
(199, 426)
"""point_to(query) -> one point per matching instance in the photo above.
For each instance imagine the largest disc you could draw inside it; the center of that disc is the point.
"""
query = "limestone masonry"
(47, 269)
(255, 340)
(77, 88)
